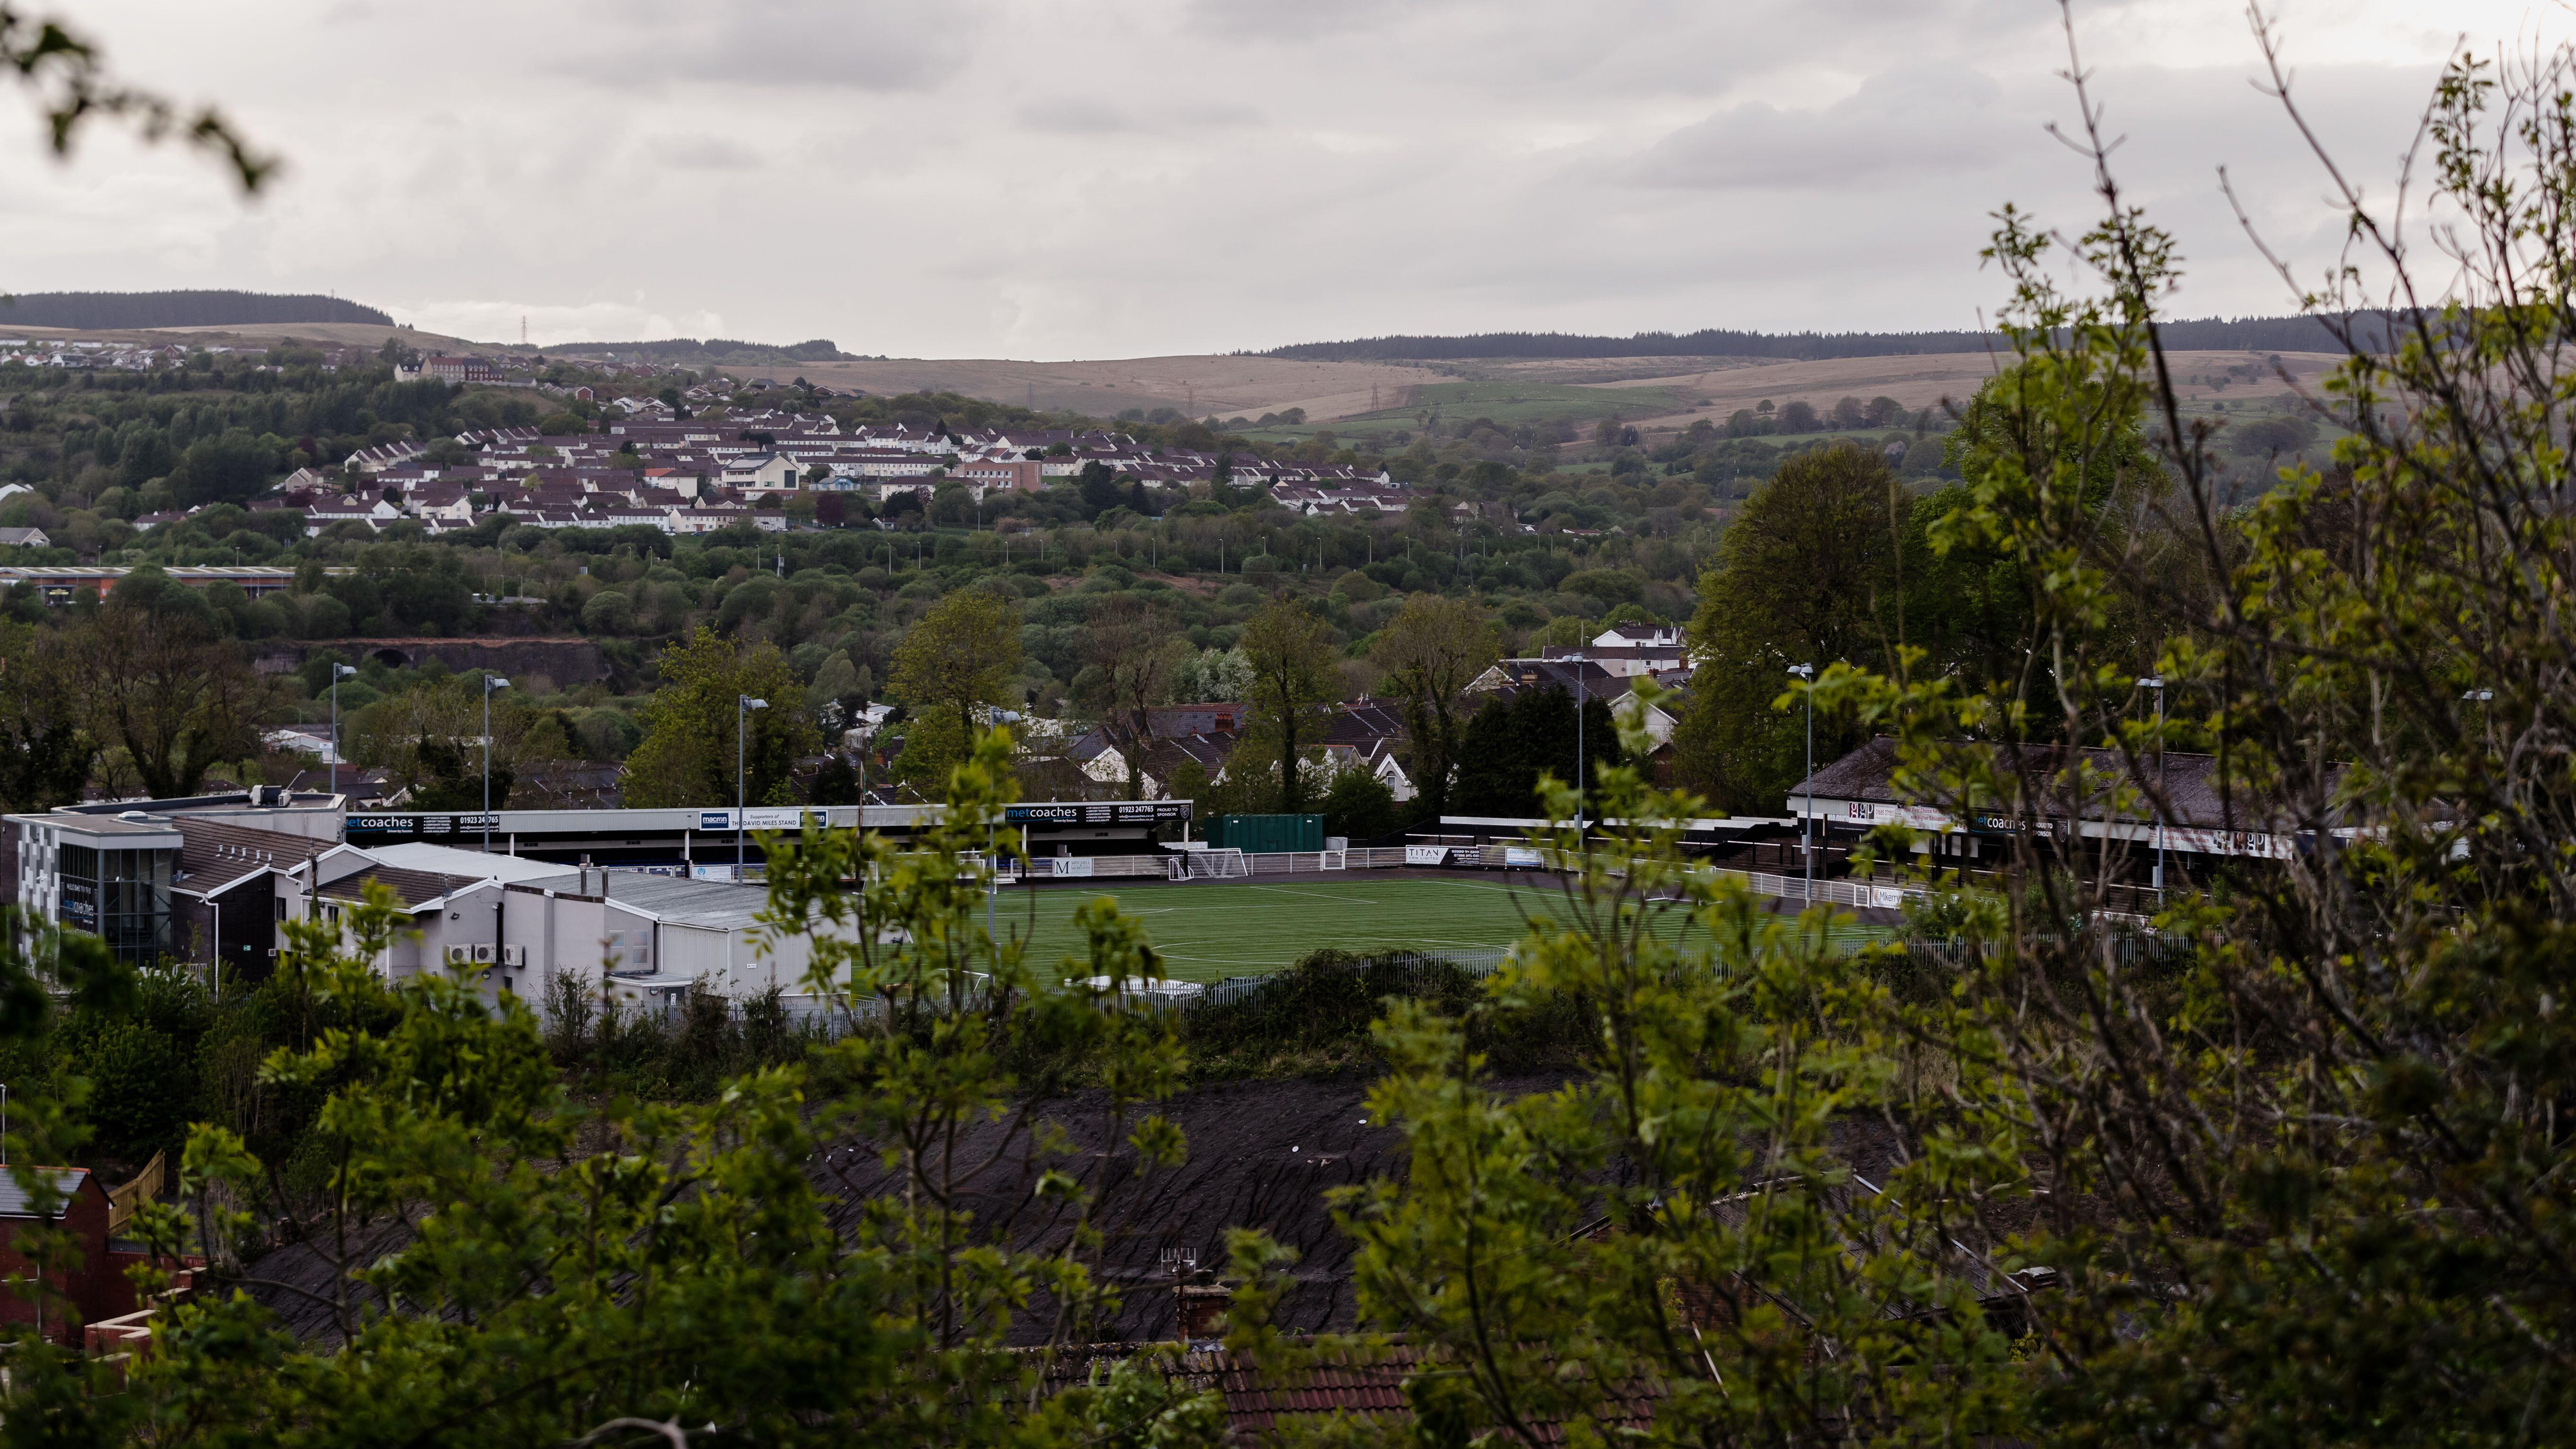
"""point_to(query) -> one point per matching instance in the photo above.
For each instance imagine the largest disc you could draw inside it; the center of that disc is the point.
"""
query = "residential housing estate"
(654, 468)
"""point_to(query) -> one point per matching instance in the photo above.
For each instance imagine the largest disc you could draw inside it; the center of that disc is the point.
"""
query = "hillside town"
(680, 475)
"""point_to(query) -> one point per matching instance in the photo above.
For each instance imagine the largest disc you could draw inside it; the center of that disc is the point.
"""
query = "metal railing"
(1866, 894)
(1081, 867)
(1297, 862)
(829, 1016)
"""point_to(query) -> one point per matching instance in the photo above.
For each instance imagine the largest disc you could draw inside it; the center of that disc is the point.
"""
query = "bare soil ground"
(1262, 1154)
(1577, 371)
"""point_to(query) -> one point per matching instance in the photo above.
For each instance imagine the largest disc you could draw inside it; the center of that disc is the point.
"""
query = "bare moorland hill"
(1224, 386)
(1227, 386)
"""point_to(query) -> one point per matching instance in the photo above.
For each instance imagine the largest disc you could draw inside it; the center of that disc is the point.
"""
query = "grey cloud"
(871, 47)
(1075, 116)
(1925, 119)
(1306, 20)
(705, 153)
(1135, 177)
(1091, 116)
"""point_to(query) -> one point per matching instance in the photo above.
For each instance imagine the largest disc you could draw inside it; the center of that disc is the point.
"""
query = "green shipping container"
(1266, 834)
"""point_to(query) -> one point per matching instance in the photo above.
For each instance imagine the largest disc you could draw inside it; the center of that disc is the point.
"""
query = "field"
(1924, 379)
(1657, 394)
(1203, 386)
(1507, 401)
(1210, 930)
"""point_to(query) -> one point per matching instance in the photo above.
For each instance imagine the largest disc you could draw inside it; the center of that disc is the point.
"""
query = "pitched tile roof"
(213, 852)
(2191, 782)
(414, 888)
(14, 1202)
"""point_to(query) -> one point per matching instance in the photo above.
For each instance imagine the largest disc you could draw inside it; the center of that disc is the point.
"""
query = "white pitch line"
(1321, 896)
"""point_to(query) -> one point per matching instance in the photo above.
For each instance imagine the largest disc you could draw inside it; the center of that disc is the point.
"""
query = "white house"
(764, 471)
(375, 513)
(1640, 636)
(515, 925)
(375, 460)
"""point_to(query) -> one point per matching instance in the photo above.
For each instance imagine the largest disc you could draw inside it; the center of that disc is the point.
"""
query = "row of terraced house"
(655, 469)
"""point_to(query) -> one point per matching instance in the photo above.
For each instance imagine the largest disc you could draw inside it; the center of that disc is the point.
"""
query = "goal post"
(1216, 865)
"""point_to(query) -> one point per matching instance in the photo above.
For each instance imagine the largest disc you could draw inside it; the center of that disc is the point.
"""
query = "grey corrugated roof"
(712, 904)
(2191, 781)
(13, 1198)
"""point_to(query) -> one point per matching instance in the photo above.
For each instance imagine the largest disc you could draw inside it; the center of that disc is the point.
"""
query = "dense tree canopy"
(1295, 679)
(694, 723)
(1509, 744)
(1813, 571)
(958, 660)
(1431, 651)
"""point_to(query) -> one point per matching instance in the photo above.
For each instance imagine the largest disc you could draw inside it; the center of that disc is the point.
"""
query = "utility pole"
(2156, 683)
(1580, 758)
(1807, 672)
(491, 682)
(338, 673)
(742, 705)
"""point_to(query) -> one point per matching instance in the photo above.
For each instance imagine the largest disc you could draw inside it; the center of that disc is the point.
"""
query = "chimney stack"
(1200, 1302)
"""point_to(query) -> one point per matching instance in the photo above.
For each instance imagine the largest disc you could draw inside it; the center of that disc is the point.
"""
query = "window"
(123, 896)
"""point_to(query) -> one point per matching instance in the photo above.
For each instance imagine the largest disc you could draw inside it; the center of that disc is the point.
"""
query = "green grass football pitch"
(1209, 930)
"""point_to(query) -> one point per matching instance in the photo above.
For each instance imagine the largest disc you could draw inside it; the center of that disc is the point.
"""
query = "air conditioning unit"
(459, 955)
(483, 955)
(514, 955)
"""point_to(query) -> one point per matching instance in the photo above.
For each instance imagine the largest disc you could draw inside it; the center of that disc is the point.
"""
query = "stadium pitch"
(1209, 930)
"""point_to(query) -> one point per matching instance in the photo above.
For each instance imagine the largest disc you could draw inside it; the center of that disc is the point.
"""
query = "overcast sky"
(1100, 178)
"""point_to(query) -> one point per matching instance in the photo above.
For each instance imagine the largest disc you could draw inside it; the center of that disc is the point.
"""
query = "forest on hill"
(132, 311)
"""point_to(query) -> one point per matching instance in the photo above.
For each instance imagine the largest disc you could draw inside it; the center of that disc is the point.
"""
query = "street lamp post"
(491, 682)
(338, 673)
(1807, 672)
(1580, 759)
(2156, 683)
(743, 704)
